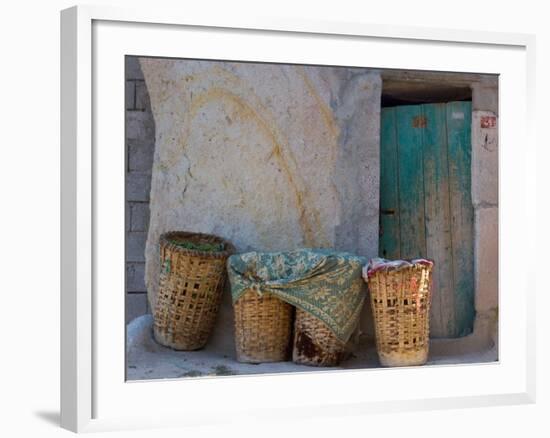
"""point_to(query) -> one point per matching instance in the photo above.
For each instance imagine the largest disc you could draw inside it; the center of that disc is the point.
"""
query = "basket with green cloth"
(325, 287)
(192, 278)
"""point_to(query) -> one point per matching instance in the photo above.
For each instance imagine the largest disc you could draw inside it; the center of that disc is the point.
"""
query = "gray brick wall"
(140, 146)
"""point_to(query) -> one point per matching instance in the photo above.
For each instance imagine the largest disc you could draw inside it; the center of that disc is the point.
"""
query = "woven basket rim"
(424, 263)
(165, 241)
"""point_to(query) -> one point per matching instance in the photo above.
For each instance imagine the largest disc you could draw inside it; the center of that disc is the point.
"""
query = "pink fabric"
(378, 264)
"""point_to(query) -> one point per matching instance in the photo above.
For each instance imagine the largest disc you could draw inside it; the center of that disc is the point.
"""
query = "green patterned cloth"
(325, 283)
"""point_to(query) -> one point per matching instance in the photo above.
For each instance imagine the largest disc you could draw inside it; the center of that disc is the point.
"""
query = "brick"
(139, 216)
(140, 155)
(136, 305)
(133, 68)
(130, 95)
(142, 97)
(127, 214)
(135, 246)
(140, 125)
(138, 186)
(486, 258)
(484, 160)
(135, 277)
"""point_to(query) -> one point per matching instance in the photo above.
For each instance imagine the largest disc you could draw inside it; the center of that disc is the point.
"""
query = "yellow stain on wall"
(309, 223)
(325, 111)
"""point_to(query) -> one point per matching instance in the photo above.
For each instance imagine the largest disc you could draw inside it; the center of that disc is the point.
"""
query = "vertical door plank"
(459, 152)
(389, 197)
(426, 183)
(438, 222)
(410, 124)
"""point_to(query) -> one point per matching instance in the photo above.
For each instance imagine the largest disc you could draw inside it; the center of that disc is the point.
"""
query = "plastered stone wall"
(485, 200)
(271, 157)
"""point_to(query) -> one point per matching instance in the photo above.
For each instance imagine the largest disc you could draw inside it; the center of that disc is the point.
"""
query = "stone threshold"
(147, 360)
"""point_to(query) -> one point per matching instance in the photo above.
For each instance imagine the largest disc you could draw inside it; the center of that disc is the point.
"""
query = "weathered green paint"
(389, 204)
(426, 183)
(438, 223)
(459, 119)
(410, 180)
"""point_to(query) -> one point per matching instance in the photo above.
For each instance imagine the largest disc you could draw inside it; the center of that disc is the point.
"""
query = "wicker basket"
(190, 289)
(400, 300)
(263, 326)
(314, 342)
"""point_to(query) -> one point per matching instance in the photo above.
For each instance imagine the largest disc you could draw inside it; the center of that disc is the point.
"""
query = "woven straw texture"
(263, 326)
(190, 289)
(400, 300)
(314, 343)
(323, 282)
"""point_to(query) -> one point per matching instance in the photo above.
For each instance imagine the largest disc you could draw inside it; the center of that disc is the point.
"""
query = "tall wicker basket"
(190, 289)
(400, 300)
(263, 327)
(314, 342)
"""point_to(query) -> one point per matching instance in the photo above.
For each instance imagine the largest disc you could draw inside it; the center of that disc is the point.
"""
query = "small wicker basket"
(314, 342)
(190, 289)
(400, 300)
(263, 326)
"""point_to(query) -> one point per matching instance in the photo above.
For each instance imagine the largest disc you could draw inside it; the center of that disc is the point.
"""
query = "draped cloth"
(325, 283)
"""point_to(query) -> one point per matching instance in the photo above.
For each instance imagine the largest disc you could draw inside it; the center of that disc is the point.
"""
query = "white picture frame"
(94, 395)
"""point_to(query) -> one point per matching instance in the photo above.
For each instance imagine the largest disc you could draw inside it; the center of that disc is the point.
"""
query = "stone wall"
(140, 146)
(485, 200)
(271, 157)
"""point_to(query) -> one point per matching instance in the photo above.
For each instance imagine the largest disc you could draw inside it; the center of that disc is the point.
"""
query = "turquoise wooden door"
(425, 203)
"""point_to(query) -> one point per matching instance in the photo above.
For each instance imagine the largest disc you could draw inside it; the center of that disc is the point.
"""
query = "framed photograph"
(264, 217)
